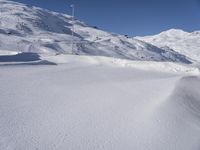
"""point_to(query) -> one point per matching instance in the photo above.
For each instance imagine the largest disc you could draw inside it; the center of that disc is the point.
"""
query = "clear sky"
(132, 17)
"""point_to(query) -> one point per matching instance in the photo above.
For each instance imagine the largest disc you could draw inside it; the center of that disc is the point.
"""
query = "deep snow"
(94, 103)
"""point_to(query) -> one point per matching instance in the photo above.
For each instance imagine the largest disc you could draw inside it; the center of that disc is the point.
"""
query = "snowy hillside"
(183, 42)
(30, 29)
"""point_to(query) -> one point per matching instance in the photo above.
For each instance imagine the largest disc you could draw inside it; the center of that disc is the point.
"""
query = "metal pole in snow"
(73, 11)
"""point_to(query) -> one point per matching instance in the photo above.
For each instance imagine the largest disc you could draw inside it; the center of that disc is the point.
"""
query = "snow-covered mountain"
(183, 42)
(25, 28)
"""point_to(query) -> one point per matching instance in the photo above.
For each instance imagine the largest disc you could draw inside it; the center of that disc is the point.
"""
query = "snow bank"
(90, 105)
(143, 65)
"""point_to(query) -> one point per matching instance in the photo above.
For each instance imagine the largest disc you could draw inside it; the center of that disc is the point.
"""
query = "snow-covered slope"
(167, 67)
(30, 29)
(183, 42)
(87, 103)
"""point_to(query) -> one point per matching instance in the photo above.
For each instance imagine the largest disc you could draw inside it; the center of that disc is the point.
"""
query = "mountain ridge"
(34, 29)
(186, 43)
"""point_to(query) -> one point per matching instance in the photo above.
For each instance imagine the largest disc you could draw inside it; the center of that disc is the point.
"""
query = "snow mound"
(23, 59)
(143, 65)
(177, 117)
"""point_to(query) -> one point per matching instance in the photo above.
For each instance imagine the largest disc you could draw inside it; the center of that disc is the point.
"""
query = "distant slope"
(31, 29)
(183, 42)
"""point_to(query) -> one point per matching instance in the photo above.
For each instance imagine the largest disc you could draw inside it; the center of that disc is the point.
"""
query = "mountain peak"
(180, 41)
(174, 32)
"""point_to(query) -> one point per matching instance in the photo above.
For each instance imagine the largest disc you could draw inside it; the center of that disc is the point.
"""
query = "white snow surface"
(7, 52)
(26, 28)
(103, 97)
(169, 67)
(99, 103)
(183, 42)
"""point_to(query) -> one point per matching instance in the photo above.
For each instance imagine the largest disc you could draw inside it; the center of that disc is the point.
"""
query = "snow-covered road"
(85, 106)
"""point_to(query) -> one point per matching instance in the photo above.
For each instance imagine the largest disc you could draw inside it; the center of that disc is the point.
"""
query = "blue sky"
(132, 17)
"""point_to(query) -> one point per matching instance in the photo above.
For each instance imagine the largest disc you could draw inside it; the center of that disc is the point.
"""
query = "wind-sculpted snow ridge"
(182, 42)
(177, 117)
(142, 65)
(23, 59)
(25, 28)
(89, 103)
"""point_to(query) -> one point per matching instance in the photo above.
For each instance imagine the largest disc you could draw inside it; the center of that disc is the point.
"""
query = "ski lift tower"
(72, 41)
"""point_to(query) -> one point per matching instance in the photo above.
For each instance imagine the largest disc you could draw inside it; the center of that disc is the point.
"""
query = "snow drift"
(86, 103)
